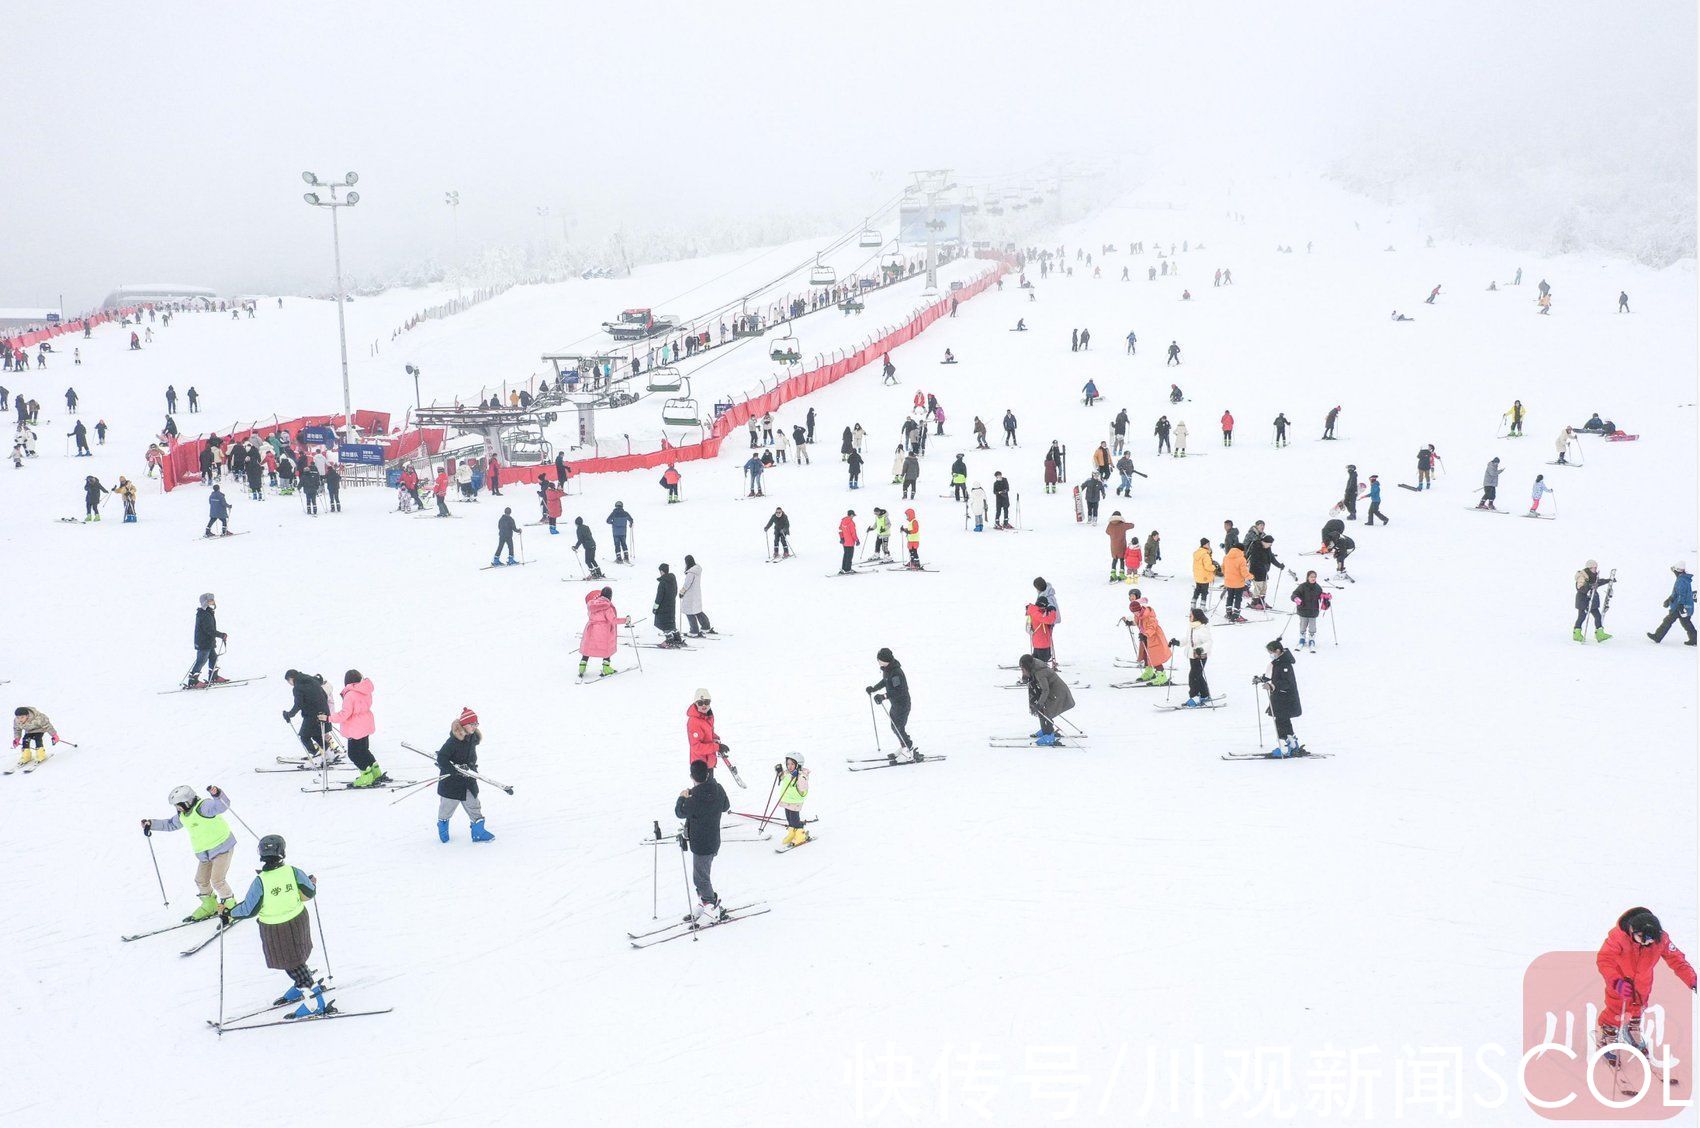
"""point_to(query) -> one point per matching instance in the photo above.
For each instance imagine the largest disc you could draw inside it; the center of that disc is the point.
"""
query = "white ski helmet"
(183, 796)
(1592, 565)
(703, 697)
(1679, 566)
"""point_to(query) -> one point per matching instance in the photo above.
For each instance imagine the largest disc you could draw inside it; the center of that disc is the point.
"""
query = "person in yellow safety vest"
(793, 789)
(912, 536)
(959, 479)
(279, 896)
(210, 837)
(881, 529)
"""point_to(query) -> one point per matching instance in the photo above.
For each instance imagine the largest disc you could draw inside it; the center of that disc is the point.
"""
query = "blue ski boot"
(443, 829)
(479, 834)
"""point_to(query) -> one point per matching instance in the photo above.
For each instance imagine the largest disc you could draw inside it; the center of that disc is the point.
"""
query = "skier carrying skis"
(355, 720)
(1679, 606)
(1588, 585)
(602, 624)
(1311, 601)
(700, 738)
(30, 726)
(207, 638)
(210, 837)
(793, 790)
(690, 599)
(506, 526)
(1048, 697)
(621, 521)
(1626, 961)
(665, 608)
(278, 896)
(893, 690)
(1198, 653)
(312, 703)
(456, 788)
(1283, 705)
(701, 806)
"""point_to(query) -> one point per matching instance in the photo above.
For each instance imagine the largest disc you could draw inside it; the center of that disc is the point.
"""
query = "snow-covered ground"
(993, 936)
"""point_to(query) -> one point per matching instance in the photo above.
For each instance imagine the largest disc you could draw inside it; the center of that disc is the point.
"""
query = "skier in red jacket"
(849, 540)
(1626, 961)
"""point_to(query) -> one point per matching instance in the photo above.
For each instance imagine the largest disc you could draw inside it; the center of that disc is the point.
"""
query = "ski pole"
(221, 931)
(1256, 685)
(232, 809)
(874, 720)
(655, 876)
(1331, 625)
(149, 836)
(324, 948)
(637, 651)
(416, 788)
(684, 867)
(767, 805)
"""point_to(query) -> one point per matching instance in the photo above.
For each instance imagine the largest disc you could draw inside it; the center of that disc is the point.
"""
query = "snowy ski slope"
(1009, 935)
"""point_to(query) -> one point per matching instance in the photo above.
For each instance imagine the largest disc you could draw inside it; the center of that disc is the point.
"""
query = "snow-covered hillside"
(994, 936)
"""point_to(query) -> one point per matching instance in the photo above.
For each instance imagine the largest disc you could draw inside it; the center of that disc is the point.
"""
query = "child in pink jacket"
(356, 723)
(601, 631)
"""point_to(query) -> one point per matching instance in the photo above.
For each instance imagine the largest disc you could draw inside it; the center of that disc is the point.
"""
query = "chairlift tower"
(932, 183)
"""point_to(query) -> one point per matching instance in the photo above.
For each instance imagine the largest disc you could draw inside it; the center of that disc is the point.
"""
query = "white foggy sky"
(165, 142)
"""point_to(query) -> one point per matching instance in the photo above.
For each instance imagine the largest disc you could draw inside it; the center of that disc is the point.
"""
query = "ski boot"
(1600, 634)
(1576, 634)
(607, 668)
(1313, 646)
(320, 1007)
(495, 562)
(1191, 703)
(207, 908)
(367, 778)
(443, 830)
(584, 664)
(293, 995)
(479, 834)
(1046, 739)
(1162, 678)
(553, 531)
(708, 912)
(1279, 752)
(511, 560)
(1147, 673)
(216, 678)
(25, 757)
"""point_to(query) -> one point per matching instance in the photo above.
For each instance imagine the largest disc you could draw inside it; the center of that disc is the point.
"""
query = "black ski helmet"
(271, 846)
(1642, 922)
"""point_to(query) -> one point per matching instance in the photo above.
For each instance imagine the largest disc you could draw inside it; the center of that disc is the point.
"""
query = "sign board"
(359, 454)
(53, 318)
(317, 436)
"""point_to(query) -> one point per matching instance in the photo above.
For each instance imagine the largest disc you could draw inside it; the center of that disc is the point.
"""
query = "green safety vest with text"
(204, 833)
(280, 900)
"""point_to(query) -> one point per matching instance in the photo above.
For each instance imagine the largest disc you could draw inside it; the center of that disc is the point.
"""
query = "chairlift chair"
(665, 378)
(869, 238)
(786, 350)
(681, 411)
(822, 275)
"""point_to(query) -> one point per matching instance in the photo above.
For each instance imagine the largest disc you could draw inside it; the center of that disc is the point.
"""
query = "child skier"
(1588, 585)
(794, 789)
(210, 837)
(355, 720)
(1626, 961)
(601, 630)
(278, 896)
(29, 726)
(1539, 490)
(1311, 601)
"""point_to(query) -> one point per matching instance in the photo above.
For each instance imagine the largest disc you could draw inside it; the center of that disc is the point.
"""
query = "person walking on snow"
(210, 837)
(278, 895)
(1283, 687)
(1679, 606)
(1174, 354)
(1281, 425)
(892, 690)
(977, 507)
(1588, 585)
(1623, 301)
(1626, 962)
(1375, 502)
(601, 631)
(1227, 428)
(456, 760)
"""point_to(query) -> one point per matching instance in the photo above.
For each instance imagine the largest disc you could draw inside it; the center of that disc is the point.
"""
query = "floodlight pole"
(335, 205)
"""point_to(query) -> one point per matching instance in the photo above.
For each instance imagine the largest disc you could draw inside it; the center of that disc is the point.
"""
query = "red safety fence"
(787, 390)
(24, 340)
(183, 460)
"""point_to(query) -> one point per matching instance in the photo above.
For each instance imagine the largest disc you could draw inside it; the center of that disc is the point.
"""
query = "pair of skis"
(228, 682)
(889, 760)
(690, 927)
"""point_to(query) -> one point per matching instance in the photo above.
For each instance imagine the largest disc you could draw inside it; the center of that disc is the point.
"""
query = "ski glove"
(870, 689)
(147, 827)
(722, 747)
(879, 699)
(55, 737)
(213, 791)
